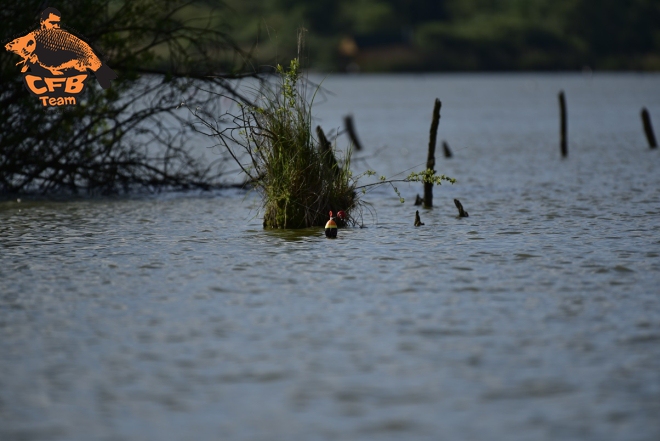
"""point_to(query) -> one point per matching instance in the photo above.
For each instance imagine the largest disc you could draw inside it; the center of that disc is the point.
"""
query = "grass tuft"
(301, 180)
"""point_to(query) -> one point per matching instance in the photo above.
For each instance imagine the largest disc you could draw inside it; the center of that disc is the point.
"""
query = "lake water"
(177, 317)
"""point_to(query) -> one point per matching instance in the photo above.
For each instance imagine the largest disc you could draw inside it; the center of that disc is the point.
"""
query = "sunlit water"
(178, 317)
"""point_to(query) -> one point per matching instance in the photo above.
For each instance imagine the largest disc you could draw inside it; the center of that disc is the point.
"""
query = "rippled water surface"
(178, 317)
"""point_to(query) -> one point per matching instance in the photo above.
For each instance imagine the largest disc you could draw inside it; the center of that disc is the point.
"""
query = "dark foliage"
(130, 135)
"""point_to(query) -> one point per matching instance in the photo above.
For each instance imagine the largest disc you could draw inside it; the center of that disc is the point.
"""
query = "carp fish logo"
(56, 63)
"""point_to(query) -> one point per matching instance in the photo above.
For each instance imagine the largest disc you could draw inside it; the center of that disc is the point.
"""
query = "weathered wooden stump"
(326, 150)
(446, 150)
(418, 220)
(461, 211)
(648, 128)
(350, 128)
(563, 142)
(324, 144)
(430, 160)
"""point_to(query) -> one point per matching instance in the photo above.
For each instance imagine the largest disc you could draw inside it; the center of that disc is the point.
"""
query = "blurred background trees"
(416, 35)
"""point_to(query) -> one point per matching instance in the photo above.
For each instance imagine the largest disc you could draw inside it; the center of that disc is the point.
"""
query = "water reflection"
(292, 235)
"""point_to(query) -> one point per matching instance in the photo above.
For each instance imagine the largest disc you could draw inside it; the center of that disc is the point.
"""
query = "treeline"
(418, 35)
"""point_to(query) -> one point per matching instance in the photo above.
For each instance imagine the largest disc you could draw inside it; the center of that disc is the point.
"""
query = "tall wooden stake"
(430, 160)
(562, 111)
(326, 150)
(648, 128)
(350, 128)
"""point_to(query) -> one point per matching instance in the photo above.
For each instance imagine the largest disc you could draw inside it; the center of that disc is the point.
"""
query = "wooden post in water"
(562, 111)
(648, 128)
(446, 150)
(350, 128)
(418, 221)
(461, 210)
(324, 144)
(326, 150)
(430, 160)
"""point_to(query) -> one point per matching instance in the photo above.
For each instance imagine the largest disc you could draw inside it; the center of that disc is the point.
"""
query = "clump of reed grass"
(300, 178)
